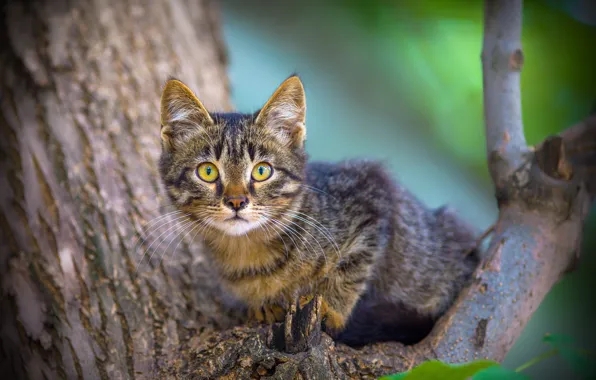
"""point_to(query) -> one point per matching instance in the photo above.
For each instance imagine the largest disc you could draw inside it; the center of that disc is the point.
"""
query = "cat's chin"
(236, 227)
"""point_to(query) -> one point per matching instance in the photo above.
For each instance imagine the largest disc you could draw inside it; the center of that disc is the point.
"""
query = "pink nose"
(236, 203)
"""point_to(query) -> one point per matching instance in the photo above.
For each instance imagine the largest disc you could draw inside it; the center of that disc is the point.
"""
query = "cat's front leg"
(267, 313)
(342, 288)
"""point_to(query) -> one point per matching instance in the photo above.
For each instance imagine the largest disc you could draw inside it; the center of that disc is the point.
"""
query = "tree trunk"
(81, 83)
(80, 95)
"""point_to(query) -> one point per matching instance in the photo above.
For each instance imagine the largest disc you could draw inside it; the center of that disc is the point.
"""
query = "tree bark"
(81, 83)
(80, 119)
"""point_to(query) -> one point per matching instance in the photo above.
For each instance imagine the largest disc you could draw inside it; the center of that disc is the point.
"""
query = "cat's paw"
(268, 313)
(333, 321)
(255, 314)
(275, 313)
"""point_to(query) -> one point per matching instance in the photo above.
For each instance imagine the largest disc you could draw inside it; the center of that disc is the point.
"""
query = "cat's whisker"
(204, 223)
(158, 218)
(318, 226)
(284, 230)
(156, 239)
(314, 189)
(288, 228)
(315, 224)
(312, 219)
(178, 231)
(313, 237)
(156, 228)
(287, 253)
(266, 230)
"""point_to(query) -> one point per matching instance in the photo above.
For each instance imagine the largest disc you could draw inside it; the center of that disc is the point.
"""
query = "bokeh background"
(401, 81)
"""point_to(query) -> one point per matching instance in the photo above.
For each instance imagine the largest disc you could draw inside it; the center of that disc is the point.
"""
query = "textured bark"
(79, 122)
(80, 137)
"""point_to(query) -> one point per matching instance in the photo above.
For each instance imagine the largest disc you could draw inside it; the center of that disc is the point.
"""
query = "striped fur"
(344, 230)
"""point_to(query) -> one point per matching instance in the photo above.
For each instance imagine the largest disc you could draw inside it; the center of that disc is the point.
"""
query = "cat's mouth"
(237, 224)
(236, 218)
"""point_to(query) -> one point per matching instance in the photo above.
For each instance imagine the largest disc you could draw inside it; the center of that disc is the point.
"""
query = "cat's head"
(233, 172)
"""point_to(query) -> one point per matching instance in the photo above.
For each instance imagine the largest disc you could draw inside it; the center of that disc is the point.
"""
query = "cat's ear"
(181, 112)
(285, 112)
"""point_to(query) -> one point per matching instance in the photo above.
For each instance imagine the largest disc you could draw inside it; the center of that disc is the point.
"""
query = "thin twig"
(537, 359)
(481, 238)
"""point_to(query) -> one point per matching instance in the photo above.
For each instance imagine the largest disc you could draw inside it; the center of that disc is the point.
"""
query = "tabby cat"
(279, 227)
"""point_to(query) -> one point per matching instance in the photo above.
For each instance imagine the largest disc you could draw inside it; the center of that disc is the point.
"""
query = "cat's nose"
(236, 203)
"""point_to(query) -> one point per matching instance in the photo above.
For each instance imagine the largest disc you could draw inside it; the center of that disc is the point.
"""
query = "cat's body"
(279, 228)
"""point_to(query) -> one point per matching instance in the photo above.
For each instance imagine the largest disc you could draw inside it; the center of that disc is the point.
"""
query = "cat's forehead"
(238, 139)
(233, 137)
(234, 142)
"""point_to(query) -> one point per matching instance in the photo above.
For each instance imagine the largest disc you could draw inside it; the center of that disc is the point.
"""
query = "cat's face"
(233, 172)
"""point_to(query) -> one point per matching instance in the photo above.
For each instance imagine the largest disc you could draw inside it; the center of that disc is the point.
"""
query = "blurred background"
(401, 81)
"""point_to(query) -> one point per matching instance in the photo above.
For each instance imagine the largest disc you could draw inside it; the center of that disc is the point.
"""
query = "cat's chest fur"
(254, 269)
(258, 271)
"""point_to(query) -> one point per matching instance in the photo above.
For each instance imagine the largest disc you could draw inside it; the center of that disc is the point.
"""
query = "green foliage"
(435, 369)
(581, 361)
(478, 370)
(499, 373)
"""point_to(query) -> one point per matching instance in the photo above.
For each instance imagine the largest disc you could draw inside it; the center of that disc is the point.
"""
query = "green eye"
(207, 172)
(262, 171)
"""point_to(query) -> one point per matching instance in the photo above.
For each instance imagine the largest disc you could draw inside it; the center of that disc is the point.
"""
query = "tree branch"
(502, 61)
(542, 207)
(579, 145)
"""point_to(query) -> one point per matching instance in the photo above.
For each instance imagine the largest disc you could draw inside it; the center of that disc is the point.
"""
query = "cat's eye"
(262, 171)
(207, 172)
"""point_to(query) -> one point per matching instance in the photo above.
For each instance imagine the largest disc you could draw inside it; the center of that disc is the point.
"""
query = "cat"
(280, 228)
